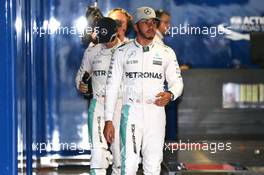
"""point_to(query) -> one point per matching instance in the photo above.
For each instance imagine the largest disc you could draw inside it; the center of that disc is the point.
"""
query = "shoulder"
(123, 47)
(91, 52)
(158, 40)
(164, 48)
(94, 48)
(126, 40)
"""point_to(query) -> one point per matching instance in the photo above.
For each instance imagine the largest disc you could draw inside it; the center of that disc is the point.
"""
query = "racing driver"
(142, 66)
(96, 62)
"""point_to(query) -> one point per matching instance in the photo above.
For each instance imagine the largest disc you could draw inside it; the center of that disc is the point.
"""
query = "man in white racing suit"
(142, 66)
(123, 19)
(96, 62)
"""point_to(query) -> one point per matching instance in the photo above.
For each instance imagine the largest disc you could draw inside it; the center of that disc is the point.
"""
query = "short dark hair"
(161, 12)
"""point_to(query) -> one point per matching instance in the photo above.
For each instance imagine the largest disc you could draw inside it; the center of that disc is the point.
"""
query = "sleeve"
(85, 67)
(173, 75)
(113, 83)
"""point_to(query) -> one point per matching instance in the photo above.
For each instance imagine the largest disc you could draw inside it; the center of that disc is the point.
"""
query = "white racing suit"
(158, 37)
(142, 70)
(96, 62)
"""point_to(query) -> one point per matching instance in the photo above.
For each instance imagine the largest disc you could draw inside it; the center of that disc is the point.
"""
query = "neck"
(143, 41)
(111, 44)
(121, 37)
(160, 34)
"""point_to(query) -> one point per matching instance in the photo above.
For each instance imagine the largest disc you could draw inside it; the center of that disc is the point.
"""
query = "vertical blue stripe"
(91, 118)
(39, 121)
(90, 126)
(8, 101)
(29, 85)
(123, 129)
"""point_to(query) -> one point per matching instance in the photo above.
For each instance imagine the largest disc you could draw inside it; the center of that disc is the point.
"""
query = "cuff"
(108, 116)
(172, 96)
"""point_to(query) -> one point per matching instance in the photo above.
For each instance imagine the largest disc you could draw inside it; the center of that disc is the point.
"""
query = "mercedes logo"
(104, 31)
(147, 11)
(132, 54)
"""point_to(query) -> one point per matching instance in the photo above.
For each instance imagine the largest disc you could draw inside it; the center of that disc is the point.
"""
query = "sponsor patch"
(99, 129)
(155, 62)
(99, 73)
(97, 62)
(133, 127)
(132, 62)
(154, 75)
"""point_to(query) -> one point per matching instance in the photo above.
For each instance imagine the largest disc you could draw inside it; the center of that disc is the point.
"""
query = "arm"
(112, 86)
(174, 79)
(173, 75)
(85, 67)
(113, 83)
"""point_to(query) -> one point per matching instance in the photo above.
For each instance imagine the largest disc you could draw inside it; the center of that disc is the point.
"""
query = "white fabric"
(96, 62)
(142, 73)
(158, 37)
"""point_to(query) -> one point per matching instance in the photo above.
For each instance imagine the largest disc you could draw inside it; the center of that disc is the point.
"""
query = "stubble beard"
(144, 35)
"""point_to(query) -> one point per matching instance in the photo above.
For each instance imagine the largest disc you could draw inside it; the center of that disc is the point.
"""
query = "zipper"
(142, 85)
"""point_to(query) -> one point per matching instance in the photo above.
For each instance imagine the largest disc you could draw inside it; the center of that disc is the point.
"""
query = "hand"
(83, 88)
(163, 98)
(109, 131)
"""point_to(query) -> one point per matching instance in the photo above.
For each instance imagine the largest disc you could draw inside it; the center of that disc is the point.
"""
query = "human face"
(164, 23)
(146, 28)
(121, 17)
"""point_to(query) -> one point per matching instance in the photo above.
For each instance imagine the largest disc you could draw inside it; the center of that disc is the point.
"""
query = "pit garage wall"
(37, 71)
(201, 115)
